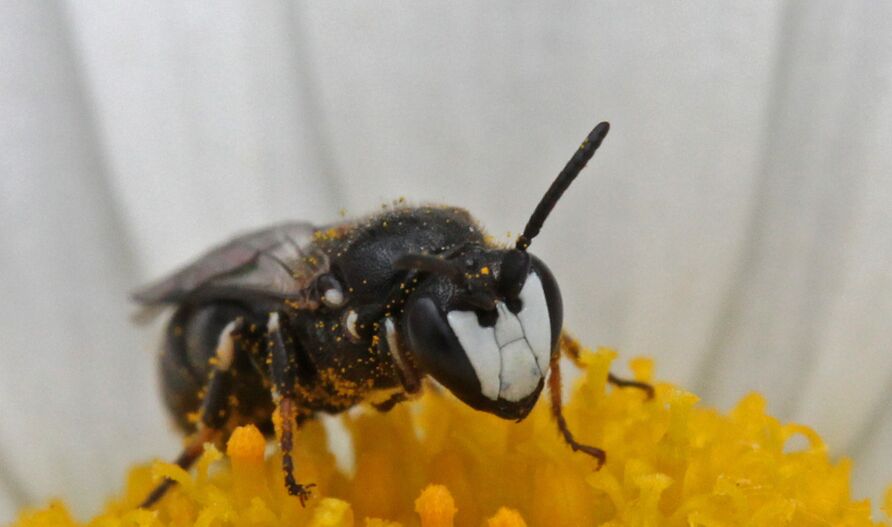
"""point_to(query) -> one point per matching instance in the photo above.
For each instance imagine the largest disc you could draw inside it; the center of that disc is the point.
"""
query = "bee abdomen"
(189, 345)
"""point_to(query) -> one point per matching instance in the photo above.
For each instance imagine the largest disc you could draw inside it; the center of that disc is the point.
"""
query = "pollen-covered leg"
(214, 412)
(554, 387)
(573, 350)
(283, 371)
(287, 412)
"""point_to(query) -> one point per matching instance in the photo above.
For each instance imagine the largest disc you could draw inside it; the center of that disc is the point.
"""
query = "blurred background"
(735, 226)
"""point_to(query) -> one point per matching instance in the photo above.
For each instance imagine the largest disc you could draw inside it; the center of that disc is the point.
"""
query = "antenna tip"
(593, 141)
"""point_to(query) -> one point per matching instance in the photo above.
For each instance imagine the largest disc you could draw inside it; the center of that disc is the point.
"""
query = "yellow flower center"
(439, 463)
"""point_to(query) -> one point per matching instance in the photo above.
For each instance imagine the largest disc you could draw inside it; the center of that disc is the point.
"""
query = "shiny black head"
(485, 322)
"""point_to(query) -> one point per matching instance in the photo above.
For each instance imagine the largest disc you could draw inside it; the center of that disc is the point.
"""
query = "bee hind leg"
(214, 412)
(185, 460)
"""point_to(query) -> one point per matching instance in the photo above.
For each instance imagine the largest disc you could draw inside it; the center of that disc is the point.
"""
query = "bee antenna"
(556, 190)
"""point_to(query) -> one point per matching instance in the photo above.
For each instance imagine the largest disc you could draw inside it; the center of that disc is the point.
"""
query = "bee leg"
(554, 388)
(214, 409)
(571, 347)
(628, 383)
(283, 371)
(393, 400)
(185, 460)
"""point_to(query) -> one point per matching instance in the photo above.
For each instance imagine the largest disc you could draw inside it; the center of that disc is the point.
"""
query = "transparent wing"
(278, 262)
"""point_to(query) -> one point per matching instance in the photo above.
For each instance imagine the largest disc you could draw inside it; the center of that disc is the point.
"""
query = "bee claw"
(302, 492)
(595, 452)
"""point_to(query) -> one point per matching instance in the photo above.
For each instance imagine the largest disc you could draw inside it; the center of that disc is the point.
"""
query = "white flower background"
(736, 225)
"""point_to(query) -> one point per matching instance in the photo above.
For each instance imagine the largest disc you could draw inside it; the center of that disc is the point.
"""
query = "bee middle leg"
(283, 371)
(214, 412)
(571, 347)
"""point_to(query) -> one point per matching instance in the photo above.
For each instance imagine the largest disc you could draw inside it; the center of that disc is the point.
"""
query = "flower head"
(440, 463)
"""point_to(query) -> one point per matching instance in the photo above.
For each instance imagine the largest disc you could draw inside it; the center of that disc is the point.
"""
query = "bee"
(302, 319)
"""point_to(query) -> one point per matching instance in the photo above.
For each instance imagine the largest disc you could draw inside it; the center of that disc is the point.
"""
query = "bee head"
(488, 343)
(485, 322)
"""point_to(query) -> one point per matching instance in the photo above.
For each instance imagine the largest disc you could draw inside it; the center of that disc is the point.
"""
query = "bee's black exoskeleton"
(313, 319)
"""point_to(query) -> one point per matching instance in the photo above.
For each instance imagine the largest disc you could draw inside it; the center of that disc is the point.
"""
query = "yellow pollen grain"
(484, 270)
(245, 450)
(246, 442)
(506, 518)
(435, 507)
(332, 512)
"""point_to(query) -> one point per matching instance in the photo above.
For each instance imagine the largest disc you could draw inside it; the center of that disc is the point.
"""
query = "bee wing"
(278, 262)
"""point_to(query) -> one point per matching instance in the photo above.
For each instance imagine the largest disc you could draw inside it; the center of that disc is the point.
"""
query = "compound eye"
(331, 293)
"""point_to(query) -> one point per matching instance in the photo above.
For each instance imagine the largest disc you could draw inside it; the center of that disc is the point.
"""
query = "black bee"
(309, 319)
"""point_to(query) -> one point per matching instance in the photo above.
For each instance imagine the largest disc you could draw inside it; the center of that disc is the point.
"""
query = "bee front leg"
(214, 410)
(554, 388)
(283, 371)
(629, 383)
(573, 350)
